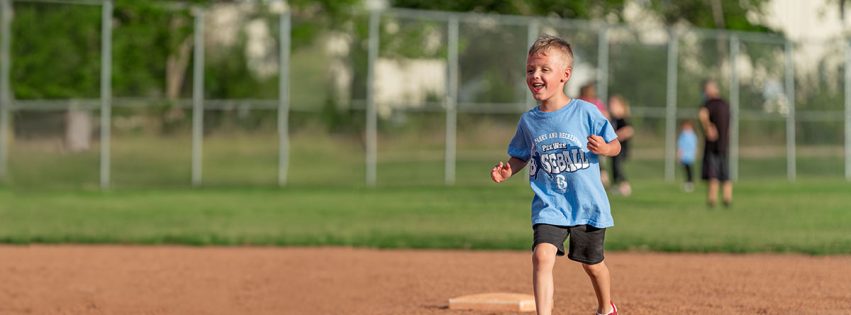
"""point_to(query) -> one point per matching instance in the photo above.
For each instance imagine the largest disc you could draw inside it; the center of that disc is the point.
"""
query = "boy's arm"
(503, 171)
(599, 146)
(517, 164)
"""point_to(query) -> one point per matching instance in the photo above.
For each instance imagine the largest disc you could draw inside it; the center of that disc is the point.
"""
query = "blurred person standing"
(588, 93)
(619, 113)
(686, 151)
(714, 117)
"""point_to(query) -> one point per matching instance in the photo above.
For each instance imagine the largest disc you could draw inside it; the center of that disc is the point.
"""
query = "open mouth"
(536, 87)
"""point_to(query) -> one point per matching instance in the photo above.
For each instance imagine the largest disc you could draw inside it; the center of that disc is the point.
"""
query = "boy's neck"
(554, 103)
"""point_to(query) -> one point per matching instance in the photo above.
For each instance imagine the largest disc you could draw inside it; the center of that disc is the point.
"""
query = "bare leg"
(727, 187)
(543, 260)
(602, 281)
(712, 193)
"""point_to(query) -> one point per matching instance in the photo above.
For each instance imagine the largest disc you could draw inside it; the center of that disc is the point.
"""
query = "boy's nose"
(536, 74)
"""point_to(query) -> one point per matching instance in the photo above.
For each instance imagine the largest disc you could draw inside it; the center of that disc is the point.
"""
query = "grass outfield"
(317, 159)
(807, 217)
(52, 197)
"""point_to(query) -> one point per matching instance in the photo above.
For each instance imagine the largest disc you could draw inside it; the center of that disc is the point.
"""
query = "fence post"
(790, 119)
(848, 109)
(5, 90)
(532, 31)
(603, 64)
(371, 119)
(671, 105)
(198, 96)
(452, 100)
(105, 93)
(283, 95)
(734, 108)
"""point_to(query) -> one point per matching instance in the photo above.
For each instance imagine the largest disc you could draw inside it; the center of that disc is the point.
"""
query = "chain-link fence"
(391, 97)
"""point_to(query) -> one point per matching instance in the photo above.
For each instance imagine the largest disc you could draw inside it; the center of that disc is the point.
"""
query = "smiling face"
(546, 74)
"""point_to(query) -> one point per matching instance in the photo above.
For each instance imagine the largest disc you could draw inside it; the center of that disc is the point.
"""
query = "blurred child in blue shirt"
(686, 151)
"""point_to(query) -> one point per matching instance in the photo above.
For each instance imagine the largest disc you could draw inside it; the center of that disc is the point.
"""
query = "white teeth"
(537, 85)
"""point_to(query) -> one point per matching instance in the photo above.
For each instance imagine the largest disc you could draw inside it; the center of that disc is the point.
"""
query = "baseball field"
(332, 157)
(782, 248)
(270, 280)
(327, 244)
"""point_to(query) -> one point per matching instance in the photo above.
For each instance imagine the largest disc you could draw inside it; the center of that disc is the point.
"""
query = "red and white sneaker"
(613, 312)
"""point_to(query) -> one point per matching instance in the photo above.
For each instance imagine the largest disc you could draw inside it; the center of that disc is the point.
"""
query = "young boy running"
(562, 139)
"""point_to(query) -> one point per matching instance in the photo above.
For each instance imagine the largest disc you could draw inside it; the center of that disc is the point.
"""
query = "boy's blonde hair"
(546, 42)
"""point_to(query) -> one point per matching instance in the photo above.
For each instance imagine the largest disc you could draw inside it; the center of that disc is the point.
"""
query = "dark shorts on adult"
(715, 166)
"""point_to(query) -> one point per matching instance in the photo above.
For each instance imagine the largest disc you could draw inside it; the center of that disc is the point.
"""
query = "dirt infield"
(185, 280)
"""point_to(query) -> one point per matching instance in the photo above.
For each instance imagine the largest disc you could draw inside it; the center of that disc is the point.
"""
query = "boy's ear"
(567, 73)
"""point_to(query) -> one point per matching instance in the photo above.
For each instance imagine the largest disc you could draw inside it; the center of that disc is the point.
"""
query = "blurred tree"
(723, 14)
(55, 54)
(152, 42)
(56, 47)
(151, 48)
(55, 51)
(583, 9)
(483, 45)
(720, 14)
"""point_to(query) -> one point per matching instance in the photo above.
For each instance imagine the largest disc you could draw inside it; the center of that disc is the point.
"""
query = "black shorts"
(715, 166)
(586, 242)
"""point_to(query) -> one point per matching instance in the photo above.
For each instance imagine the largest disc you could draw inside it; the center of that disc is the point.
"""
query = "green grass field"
(811, 217)
(52, 197)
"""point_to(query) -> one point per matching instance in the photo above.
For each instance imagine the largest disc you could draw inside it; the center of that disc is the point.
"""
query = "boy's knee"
(544, 255)
(595, 269)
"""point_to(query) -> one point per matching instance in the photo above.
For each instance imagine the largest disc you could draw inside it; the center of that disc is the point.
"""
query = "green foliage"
(56, 51)
(331, 11)
(699, 13)
(409, 39)
(561, 8)
(145, 35)
(482, 46)
(56, 48)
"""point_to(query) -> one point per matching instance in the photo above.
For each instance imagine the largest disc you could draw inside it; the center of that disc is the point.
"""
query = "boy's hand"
(501, 172)
(598, 145)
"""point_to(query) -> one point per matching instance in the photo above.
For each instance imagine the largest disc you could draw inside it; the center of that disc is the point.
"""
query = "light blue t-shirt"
(563, 173)
(687, 142)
